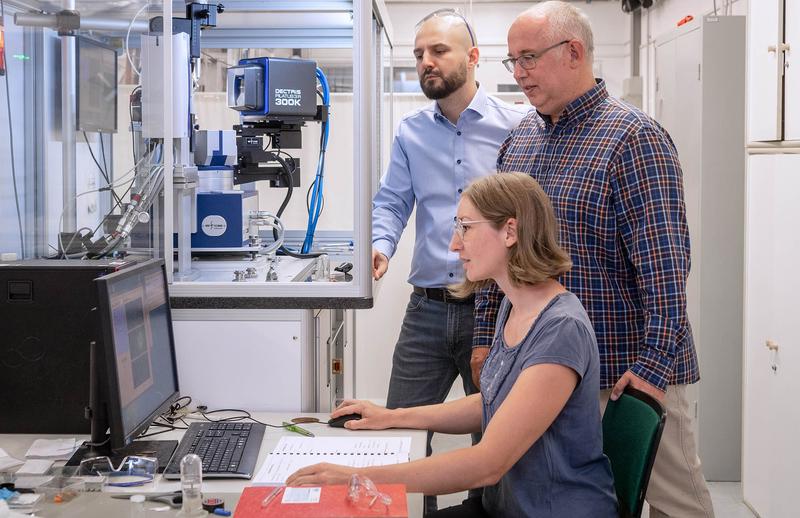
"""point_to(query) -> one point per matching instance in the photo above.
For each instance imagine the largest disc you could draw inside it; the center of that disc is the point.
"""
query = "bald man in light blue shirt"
(438, 150)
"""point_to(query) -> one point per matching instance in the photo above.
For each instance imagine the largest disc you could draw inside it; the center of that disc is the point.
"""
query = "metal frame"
(365, 37)
(365, 125)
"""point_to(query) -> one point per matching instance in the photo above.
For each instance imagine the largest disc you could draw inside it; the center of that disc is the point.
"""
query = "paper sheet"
(55, 449)
(7, 461)
(35, 467)
(293, 453)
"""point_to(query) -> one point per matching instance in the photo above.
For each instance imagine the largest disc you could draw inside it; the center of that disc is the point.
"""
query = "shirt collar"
(582, 107)
(477, 105)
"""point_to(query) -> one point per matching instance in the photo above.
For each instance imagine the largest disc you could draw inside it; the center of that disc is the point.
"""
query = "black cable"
(158, 432)
(102, 171)
(322, 170)
(11, 141)
(246, 415)
(103, 151)
(287, 172)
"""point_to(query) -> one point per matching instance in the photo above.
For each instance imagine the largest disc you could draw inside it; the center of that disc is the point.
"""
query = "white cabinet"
(770, 477)
(261, 360)
(773, 108)
(791, 97)
(700, 81)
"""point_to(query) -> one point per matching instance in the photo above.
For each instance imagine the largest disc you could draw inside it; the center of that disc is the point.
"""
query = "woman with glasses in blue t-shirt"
(541, 454)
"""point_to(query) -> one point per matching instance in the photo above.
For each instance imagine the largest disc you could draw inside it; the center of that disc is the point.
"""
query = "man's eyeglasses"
(131, 471)
(448, 11)
(528, 61)
(462, 225)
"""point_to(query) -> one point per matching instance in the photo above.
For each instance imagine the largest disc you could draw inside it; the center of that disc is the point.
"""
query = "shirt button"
(458, 161)
(459, 191)
(450, 274)
(458, 133)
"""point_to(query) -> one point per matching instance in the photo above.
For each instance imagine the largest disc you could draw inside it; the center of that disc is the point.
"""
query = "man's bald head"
(449, 26)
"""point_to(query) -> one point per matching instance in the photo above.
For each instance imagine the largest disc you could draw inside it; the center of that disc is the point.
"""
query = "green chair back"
(632, 427)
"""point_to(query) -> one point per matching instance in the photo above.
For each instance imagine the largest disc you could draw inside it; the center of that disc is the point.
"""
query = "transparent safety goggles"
(362, 492)
(131, 471)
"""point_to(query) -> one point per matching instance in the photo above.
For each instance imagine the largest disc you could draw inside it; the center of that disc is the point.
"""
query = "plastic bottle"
(137, 506)
(191, 486)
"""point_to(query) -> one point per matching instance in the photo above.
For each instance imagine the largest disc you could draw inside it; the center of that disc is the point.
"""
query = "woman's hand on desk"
(321, 474)
(373, 417)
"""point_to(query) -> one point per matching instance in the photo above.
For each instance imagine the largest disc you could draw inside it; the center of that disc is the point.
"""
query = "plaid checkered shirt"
(615, 182)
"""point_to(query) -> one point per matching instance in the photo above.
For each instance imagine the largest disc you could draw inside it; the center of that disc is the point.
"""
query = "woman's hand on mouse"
(373, 417)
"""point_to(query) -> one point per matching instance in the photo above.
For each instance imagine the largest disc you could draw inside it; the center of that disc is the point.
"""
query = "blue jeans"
(434, 347)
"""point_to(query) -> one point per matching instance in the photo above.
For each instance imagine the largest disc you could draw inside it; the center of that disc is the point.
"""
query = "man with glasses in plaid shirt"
(437, 152)
(613, 176)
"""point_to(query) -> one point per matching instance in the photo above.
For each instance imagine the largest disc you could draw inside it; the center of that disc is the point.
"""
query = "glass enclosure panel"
(68, 72)
(387, 113)
(237, 149)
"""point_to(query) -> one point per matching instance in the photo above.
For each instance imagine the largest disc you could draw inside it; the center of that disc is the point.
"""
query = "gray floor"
(727, 496)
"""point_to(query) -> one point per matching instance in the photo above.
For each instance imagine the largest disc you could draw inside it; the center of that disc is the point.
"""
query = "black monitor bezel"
(118, 438)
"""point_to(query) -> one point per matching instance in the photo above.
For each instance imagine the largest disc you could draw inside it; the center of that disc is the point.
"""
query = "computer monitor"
(139, 349)
(134, 378)
(96, 65)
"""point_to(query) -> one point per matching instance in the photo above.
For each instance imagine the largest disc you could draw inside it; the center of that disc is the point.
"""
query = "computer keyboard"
(228, 450)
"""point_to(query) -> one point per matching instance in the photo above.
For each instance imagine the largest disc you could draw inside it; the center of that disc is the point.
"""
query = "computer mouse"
(339, 422)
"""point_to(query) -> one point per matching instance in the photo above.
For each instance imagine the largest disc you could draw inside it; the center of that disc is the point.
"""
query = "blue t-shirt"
(564, 473)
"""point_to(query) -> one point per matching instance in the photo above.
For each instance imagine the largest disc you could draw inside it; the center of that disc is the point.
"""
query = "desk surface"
(17, 444)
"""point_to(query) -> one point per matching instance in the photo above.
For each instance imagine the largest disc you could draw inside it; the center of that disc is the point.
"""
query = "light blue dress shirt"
(432, 162)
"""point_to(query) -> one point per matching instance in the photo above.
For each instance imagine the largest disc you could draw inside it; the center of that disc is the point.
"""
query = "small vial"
(191, 486)
(137, 506)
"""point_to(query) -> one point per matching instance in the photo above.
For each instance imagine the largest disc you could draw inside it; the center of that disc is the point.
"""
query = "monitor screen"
(97, 86)
(139, 349)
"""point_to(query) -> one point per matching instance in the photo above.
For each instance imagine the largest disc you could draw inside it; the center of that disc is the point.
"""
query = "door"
(792, 70)
(772, 377)
(764, 107)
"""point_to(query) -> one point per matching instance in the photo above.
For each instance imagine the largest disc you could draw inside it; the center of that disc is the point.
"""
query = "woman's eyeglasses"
(462, 225)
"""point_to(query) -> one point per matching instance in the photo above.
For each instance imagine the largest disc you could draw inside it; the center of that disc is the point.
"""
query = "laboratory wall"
(377, 329)
(490, 22)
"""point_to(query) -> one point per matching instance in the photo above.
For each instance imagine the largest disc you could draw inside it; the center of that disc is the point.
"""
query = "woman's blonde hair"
(536, 256)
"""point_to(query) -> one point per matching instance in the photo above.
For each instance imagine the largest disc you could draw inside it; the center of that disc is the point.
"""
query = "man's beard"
(448, 84)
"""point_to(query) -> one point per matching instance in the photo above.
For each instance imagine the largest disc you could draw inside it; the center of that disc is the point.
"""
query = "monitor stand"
(97, 414)
(161, 450)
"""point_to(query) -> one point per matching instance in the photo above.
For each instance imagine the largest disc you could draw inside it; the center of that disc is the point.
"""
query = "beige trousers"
(677, 488)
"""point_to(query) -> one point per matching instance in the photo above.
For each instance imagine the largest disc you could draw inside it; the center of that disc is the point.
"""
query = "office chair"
(632, 427)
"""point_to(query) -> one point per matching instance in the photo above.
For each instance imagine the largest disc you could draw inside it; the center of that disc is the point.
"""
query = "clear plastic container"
(61, 489)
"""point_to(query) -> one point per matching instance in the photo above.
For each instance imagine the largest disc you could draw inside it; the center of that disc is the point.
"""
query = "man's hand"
(321, 474)
(373, 417)
(380, 263)
(639, 384)
(479, 355)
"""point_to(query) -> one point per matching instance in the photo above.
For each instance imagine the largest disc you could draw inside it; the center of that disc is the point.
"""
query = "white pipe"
(68, 108)
(87, 23)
